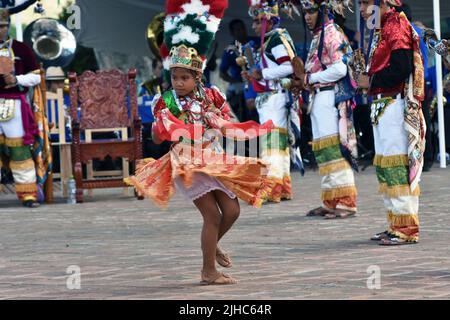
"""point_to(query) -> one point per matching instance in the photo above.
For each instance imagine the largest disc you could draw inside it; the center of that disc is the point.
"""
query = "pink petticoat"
(201, 185)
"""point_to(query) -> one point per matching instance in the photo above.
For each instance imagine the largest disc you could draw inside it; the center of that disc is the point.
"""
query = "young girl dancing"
(196, 163)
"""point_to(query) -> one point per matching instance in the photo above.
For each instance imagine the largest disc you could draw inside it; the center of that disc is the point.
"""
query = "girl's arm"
(157, 106)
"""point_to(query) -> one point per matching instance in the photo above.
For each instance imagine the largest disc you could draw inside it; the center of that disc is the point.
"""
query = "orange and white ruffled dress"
(196, 164)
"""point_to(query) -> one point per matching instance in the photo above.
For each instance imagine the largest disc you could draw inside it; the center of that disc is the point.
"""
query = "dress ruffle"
(241, 176)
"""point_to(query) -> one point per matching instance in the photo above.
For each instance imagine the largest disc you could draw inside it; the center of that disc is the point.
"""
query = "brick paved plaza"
(129, 249)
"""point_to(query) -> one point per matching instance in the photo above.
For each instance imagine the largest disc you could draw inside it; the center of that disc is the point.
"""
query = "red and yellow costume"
(195, 123)
(244, 177)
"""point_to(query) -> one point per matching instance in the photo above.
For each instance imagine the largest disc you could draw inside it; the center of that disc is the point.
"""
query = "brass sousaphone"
(155, 34)
(53, 43)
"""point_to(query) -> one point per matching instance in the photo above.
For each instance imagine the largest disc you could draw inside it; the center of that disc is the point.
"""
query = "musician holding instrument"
(230, 71)
(18, 72)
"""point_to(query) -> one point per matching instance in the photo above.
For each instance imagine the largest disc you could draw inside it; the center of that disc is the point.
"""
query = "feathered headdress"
(263, 9)
(189, 30)
(337, 6)
(311, 4)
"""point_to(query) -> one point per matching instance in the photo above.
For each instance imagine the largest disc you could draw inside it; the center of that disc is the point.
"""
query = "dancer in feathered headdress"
(395, 81)
(190, 116)
(273, 63)
(331, 104)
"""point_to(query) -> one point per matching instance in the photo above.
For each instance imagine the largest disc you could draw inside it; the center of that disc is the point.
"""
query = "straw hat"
(55, 73)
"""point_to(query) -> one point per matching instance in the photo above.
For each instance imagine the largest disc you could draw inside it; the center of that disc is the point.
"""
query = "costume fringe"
(332, 194)
(280, 130)
(402, 220)
(398, 191)
(279, 189)
(328, 168)
(325, 143)
(26, 187)
(141, 191)
(14, 142)
(27, 198)
(390, 161)
(22, 165)
(275, 152)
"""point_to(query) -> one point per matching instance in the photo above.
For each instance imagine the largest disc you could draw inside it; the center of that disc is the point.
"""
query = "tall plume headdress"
(189, 30)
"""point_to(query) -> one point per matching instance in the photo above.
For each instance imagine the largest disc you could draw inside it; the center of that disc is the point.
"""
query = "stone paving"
(129, 249)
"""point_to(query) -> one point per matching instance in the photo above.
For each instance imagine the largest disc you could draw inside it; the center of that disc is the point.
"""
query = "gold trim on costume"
(21, 165)
(282, 181)
(275, 152)
(280, 130)
(390, 161)
(37, 71)
(325, 143)
(377, 160)
(28, 198)
(14, 142)
(338, 165)
(402, 220)
(2, 139)
(332, 194)
(398, 191)
(26, 187)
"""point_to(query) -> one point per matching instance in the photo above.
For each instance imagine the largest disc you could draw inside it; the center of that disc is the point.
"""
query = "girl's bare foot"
(223, 258)
(217, 278)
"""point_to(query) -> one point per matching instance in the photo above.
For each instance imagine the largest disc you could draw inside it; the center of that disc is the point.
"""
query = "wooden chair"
(56, 116)
(91, 173)
(101, 98)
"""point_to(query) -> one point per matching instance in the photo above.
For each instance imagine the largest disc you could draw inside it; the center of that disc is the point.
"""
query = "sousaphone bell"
(53, 44)
(155, 34)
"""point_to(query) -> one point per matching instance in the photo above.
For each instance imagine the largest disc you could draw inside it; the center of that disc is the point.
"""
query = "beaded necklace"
(193, 108)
